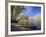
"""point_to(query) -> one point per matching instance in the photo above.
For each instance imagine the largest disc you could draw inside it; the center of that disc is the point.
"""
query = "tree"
(38, 20)
(16, 10)
(23, 20)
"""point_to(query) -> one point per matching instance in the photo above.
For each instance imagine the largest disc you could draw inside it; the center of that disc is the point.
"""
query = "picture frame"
(41, 5)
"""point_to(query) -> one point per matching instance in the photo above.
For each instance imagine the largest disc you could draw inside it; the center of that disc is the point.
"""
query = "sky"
(31, 11)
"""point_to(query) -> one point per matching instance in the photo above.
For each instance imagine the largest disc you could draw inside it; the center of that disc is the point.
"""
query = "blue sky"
(31, 11)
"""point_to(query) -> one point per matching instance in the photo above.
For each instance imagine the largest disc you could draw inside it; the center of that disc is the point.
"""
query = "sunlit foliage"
(38, 20)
